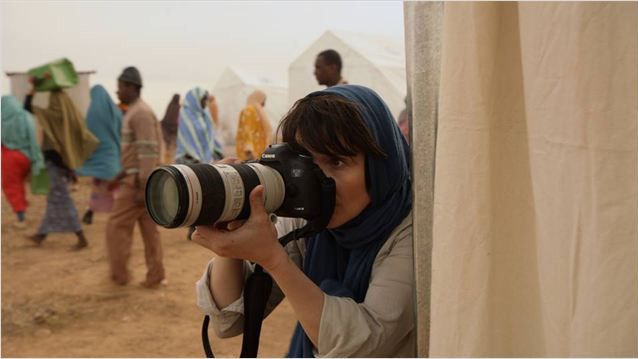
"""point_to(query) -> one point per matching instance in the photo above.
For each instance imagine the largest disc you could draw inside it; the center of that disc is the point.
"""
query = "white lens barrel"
(234, 188)
(194, 194)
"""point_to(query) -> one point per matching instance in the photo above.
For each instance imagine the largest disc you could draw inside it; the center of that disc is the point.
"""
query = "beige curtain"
(534, 248)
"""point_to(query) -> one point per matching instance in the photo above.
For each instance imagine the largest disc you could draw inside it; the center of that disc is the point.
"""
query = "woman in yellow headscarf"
(254, 130)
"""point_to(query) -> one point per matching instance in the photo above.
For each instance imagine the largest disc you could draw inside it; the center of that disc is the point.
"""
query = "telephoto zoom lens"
(201, 194)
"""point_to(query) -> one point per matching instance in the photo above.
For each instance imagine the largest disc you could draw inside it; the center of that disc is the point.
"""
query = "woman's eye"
(336, 163)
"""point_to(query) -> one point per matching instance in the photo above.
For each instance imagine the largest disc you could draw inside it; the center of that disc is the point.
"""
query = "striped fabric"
(196, 132)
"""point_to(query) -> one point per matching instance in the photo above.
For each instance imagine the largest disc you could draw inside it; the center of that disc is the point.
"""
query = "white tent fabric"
(369, 60)
(534, 239)
(232, 89)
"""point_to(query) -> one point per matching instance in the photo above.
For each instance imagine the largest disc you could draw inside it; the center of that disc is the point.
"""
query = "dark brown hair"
(330, 125)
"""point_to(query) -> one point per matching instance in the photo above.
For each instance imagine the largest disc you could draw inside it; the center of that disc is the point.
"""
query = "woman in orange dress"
(254, 131)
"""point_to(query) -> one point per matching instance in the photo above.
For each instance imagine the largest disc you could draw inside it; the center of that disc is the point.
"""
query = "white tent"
(232, 89)
(370, 60)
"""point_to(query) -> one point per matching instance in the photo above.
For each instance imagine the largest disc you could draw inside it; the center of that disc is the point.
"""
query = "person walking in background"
(254, 131)
(214, 109)
(328, 69)
(66, 144)
(196, 141)
(123, 107)
(169, 129)
(141, 152)
(21, 155)
(104, 120)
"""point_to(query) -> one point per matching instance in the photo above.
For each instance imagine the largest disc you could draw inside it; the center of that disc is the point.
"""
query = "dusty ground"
(60, 303)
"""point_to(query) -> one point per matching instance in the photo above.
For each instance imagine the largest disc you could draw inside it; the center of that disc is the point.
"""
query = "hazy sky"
(177, 45)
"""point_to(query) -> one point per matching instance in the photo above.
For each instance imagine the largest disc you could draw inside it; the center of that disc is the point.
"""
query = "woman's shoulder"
(402, 234)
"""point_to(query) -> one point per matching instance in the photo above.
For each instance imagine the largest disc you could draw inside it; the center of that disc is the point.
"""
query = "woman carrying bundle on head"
(66, 144)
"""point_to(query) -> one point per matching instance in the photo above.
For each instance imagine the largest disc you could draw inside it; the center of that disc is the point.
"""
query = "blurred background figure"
(104, 120)
(196, 136)
(254, 131)
(214, 110)
(123, 107)
(328, 69)
(66, 144)
(141, 144)
(169, 129)
(21, 155)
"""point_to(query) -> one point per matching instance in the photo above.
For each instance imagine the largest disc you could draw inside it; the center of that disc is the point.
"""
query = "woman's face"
(350, 178)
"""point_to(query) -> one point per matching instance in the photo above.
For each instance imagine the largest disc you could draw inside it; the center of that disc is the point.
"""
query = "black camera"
(202, 194)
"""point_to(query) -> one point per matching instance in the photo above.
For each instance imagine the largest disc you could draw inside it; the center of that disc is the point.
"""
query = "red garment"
(15, 168)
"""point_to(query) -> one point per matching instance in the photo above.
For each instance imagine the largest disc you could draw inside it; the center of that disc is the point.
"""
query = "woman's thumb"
(257, 200)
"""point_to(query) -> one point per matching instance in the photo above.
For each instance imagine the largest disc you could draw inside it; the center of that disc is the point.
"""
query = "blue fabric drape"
(104, 120)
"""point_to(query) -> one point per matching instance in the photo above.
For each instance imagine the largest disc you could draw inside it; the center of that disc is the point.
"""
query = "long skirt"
(15, 168)
(60, 215)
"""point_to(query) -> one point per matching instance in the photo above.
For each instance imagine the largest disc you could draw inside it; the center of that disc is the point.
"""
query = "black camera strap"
(259, 284)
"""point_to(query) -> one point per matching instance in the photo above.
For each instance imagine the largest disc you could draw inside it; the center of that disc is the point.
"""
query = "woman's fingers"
(209, 237)
(228, 160)
(231, 226)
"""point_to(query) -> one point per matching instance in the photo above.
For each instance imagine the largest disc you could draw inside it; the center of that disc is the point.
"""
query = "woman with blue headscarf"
(196, 141)
(104, 120)
(21, 155)
(350, 285)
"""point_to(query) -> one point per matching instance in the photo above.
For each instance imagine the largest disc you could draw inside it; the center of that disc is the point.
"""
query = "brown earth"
(61, 303)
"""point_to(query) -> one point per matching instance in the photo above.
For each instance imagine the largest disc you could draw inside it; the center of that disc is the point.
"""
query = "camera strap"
(259, 284)
(256, 293)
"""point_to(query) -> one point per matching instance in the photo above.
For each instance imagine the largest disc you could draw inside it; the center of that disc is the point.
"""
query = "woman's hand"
(254, 240)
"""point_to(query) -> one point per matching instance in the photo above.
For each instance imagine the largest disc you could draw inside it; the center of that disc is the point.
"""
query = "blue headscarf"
(340, 260)
(18, 132)
(104, 120)
(196, 131)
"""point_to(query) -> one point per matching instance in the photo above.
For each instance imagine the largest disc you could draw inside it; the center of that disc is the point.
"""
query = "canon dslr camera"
(203, 194)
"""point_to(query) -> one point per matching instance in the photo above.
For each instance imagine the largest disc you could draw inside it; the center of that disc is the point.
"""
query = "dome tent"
(369, 60)
(232, 90)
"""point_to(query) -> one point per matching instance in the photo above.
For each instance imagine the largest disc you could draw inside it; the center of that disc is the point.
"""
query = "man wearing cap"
(141, 146)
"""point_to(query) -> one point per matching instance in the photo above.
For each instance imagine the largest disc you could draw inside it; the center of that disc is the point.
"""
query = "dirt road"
(60, 303)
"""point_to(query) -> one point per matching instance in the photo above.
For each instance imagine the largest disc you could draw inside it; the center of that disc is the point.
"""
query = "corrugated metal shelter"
(80, 93)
